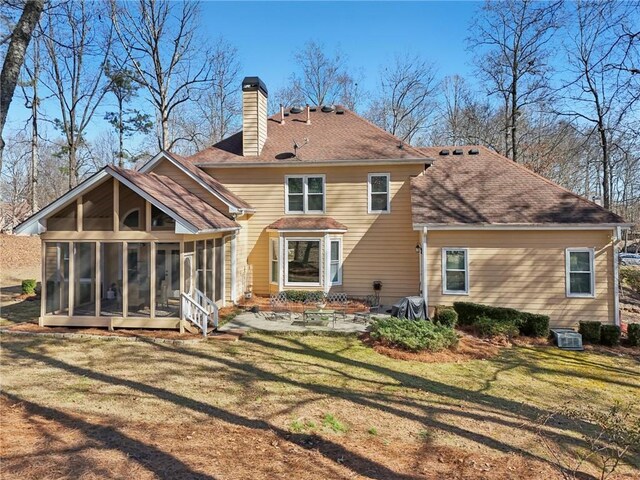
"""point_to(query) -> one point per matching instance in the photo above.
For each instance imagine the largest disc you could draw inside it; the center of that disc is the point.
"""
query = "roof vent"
(313, 109)
(444, 152)
(458, 151)
(296, 109)
(474, 151)
(328, 108)
(286, 114)
(339, 111)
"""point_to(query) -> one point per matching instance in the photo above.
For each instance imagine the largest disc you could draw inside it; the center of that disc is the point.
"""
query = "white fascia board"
(34, 225)
(520, 226)
(318, 163)
(306, 230)
(182, 225)
(166, 155)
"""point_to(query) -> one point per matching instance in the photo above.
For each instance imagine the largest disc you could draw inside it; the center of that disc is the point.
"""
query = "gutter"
(423, 268)
(317, 163)
(520, 226)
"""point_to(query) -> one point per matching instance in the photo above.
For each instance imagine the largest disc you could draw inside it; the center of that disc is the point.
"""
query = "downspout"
(234, 268)
(423, 268)
(616, 277)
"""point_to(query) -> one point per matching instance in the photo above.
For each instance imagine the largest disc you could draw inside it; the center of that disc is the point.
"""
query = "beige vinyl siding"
(165, 167)
(254, 122)
(526, 270)
(375, 247)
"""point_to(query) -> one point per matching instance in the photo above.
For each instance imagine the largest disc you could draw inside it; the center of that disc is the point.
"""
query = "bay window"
(303, 262)
(335, 261)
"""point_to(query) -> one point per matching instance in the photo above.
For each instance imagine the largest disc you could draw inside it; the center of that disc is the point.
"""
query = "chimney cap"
(252, 84)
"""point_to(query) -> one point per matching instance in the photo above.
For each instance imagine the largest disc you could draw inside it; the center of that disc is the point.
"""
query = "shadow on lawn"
(328, 449)
(493, 409)
(12, 312)
(106, 437)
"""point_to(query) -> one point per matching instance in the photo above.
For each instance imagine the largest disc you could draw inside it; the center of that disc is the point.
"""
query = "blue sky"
(267, 34)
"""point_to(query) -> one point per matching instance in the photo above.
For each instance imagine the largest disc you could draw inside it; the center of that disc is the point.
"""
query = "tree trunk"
(20, 38)
(120, 136)
(35, 103)
(73, 165)
(514, 119)
(606, 167)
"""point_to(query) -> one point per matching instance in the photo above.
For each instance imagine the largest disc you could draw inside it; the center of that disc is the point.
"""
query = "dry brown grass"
(86, 409)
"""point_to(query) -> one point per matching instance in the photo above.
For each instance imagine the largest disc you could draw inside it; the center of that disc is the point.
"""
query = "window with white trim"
(379, 199)
(303, 262)
(335, 261)
(455, 271)
(273, 260)
(304, 194)
(580, 275)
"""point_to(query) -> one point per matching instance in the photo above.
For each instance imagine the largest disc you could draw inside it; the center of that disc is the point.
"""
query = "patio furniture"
(279, 306)
(314, 298)
(318, 316)
(372, 303)
(339, 303)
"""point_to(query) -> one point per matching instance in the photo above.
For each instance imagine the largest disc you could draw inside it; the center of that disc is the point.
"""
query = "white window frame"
(305, 193)
(338, 262)
(444, 271)
(568, 272)
(370, 193)
(285, 262)
(274, 247)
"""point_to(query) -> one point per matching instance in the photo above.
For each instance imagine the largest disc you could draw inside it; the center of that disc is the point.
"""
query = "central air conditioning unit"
(567, 339)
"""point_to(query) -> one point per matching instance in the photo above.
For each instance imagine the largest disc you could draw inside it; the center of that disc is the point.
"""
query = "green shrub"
(610, 335)
(533, 325)
(301, 296)
(630, 276)
(468, 313)
(446, 316)
(29, 286)
(633, 333)
(490, 327)
(590, 331)
(413, 335)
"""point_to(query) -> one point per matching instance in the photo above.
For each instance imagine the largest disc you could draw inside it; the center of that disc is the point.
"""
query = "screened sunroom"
(128, 249)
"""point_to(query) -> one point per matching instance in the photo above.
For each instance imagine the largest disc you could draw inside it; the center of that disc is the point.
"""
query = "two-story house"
(319, 198)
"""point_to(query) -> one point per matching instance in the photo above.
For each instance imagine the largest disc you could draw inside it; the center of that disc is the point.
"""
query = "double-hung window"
(304, 194)
(580, 276)
(303, 262)
(455, 271)
(274, 265)
(335, 261)
(379, 199)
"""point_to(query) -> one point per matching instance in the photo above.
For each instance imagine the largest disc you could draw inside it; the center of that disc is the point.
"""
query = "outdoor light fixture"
(418, 248)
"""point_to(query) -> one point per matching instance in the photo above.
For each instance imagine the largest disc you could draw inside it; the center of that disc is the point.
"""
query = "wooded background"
(577, 124)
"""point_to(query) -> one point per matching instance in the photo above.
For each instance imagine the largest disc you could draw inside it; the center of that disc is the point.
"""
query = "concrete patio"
(263, 321)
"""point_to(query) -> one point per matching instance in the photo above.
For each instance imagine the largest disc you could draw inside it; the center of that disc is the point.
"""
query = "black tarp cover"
(412, 308)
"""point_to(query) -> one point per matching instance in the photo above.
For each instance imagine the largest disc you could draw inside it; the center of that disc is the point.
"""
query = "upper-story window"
(379, 199)
(304, 194)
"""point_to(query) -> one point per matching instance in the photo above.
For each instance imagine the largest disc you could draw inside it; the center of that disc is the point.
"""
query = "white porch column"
(423, 268)
(234, 268)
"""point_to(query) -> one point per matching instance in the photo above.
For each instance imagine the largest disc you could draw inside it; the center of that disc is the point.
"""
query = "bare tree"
(159, 38)
(78, 43)
(602, 96)
(512, 39)
(406, 98)
(18, 44)
(322, 79)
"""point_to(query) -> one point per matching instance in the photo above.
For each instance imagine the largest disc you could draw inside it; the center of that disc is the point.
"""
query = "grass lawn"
(288, 407)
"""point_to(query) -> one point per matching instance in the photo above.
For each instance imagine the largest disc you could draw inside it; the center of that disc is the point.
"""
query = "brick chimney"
(254, 116)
